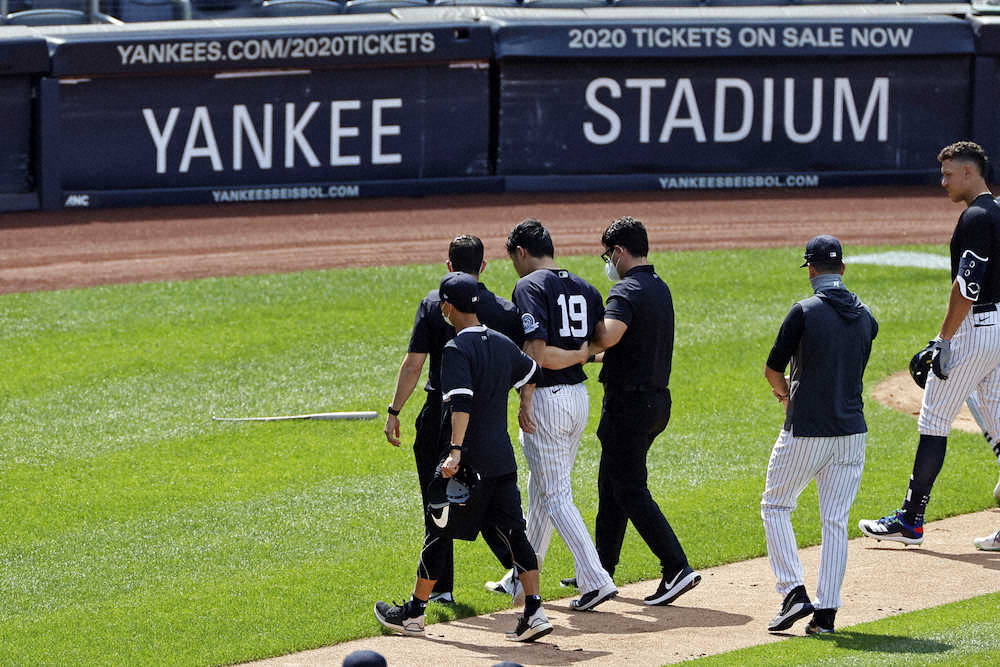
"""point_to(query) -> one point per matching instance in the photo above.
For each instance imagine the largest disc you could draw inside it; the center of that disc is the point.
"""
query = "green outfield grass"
(962, 633)
(137, 531)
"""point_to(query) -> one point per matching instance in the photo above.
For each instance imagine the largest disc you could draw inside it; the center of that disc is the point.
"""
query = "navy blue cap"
(822, 248)
(460, 290)
(365, 658)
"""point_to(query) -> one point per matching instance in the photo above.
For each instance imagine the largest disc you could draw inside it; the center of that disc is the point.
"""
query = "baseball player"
(827, 338)
(558, 310)
(965, 356)
(430, 333)
(478, 368)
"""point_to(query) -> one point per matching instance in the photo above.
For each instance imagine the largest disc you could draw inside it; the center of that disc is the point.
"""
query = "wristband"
(458, 447)
(392, 411)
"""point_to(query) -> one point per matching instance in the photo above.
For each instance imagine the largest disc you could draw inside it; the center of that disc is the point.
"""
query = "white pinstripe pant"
(975, 348)
(560, 415)
(836, 463)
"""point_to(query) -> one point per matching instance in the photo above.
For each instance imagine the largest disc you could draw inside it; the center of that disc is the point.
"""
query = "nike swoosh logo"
(556, 391)
(443, 521)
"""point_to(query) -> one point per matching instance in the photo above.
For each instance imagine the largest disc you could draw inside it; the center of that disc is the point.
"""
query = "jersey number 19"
(574, 316)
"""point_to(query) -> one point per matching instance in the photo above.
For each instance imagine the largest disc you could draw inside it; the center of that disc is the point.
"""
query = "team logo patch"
(528, 323)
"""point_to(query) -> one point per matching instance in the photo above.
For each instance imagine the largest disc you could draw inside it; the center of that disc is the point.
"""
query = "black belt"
(984, 307)
(638, 387)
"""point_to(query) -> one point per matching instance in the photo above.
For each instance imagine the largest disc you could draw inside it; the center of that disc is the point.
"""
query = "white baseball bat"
(366, 414)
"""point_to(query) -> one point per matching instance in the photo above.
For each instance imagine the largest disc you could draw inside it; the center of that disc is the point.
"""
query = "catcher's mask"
(451, 507)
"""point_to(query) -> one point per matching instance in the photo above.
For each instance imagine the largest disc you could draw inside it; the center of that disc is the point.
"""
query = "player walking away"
(559, 310)
(430, 333)
(637, 333)
(828, 339)
(966, 352)
(478, 368)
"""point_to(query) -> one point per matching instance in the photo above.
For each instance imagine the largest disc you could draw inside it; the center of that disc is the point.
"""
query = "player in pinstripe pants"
(827, 338)
(559, 310)
(966, 353)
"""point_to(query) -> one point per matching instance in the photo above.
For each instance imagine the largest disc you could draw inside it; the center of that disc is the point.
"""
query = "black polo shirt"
(431, 332)
(978, 232)
(478, 369)
(642, 358)
(561, 309)
(828, 339)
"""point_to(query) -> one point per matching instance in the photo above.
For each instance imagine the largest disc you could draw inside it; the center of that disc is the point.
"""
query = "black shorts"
(496, 501)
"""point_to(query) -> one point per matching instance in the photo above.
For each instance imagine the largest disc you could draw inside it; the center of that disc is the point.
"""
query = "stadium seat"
(479, 3)
(567, 4)
(38, 17)
(299, 8)
(224, 9)
(657, 3)
(371, 6)
(152, 10)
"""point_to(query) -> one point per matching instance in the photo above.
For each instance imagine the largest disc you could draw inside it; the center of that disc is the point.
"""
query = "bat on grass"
(366, 414)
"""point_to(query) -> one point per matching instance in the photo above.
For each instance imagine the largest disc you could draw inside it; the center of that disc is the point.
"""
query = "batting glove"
(942, 363)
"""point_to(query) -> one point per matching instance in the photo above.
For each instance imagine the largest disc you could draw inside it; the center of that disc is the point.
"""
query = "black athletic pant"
(428, 450)
(630, 421)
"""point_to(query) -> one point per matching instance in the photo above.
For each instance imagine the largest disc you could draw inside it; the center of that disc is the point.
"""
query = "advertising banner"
(273, 128)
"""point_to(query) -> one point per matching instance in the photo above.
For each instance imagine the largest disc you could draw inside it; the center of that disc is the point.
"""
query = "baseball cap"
(365, 658)
(823, 248)
(460, 290)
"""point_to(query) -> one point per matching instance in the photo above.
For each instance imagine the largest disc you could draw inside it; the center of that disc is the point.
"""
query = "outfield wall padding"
(473, 99)
(23, 57)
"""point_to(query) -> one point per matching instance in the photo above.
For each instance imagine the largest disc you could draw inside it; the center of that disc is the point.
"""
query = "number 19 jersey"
(562, 309)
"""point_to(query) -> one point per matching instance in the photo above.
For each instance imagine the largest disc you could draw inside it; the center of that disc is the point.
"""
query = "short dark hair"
(466, 254)
(966, 151)
(827, 267)
(629, 233)
(531, 235)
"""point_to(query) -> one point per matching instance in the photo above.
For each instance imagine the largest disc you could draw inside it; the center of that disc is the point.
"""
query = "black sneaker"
(568, 582)
(595, 597)
(671, 589)
(822, 622)
(795, 606)
(393, 617)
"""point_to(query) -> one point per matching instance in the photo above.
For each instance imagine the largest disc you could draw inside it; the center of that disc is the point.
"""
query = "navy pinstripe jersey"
(978, 233)
(562, 309)
(478, 369)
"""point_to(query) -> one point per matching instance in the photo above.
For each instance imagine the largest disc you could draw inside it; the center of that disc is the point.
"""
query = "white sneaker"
(988, 543)
(531, 628)
(505, 585)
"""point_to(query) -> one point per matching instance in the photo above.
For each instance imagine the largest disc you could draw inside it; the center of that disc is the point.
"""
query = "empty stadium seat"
(657, 3)
(152, 10)
(40, 17)
(224, 9)
(566, 4)
(370, 6)
(299, 8)
(478, 3)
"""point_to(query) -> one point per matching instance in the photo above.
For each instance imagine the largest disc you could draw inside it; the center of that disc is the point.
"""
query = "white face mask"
(446, 318)
(611, 270)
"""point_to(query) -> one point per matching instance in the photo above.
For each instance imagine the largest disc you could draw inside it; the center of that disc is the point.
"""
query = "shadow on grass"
(874, 643)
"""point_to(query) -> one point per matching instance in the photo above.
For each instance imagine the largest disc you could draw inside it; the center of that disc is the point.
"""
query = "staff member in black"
(637, 334)
(478, 368)
(430, 333)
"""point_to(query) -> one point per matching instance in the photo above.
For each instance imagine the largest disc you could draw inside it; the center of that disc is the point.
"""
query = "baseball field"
(138, 531)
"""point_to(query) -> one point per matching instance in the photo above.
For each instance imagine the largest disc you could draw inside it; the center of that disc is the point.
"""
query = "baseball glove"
(920, 364)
